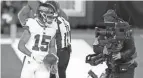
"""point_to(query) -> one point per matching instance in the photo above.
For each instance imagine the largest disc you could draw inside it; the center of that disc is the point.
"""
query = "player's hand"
(103, 75)
(50, 62)
(54, 69)
(116, 56)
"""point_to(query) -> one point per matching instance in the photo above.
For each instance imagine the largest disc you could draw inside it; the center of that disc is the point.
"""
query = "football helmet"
(48, 11)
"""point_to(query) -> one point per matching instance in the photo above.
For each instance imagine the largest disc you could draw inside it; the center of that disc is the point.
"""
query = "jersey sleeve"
(66, 23)
(28, 24)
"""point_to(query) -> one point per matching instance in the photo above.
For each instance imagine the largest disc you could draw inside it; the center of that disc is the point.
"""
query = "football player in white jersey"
(37, 42)
(63, 35)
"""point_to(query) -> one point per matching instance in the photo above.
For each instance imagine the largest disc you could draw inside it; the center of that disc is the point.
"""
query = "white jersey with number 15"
(40, 36)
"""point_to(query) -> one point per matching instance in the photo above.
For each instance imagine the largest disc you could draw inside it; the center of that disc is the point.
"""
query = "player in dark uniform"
(125, 58)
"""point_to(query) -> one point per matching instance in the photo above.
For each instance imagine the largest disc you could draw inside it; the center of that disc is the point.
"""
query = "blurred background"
(83, 16)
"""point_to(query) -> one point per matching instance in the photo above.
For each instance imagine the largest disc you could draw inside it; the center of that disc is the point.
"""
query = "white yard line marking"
(77, 67)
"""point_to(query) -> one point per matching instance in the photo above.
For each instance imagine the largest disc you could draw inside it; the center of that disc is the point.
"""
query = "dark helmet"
(48, 11)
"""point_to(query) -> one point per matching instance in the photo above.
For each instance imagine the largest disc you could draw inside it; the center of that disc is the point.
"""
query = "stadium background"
(83, 16)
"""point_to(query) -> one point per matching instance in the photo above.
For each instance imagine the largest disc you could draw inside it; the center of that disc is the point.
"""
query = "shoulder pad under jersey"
(29, 23)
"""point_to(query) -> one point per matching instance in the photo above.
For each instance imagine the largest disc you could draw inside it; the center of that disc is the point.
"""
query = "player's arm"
(69, 47)
(23, 40)
(24, 14)
(129, 49)
(97, 47)
(52, 48)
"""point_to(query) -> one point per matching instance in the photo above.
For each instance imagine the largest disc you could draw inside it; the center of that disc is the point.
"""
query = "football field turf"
(82, 40)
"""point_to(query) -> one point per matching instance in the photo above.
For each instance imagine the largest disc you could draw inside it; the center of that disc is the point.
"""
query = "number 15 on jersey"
(44, 43)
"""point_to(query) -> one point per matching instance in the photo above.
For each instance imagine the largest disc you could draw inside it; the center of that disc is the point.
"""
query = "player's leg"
(64, 57)
(63, 63)
(28, 68)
